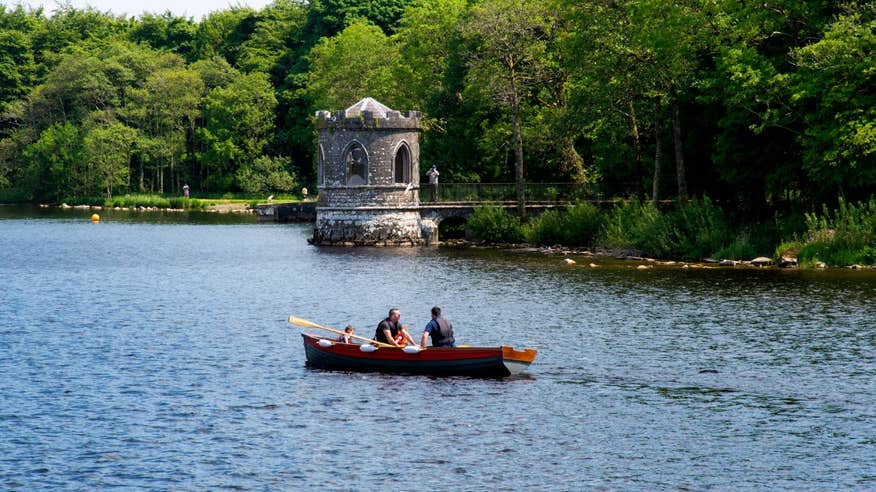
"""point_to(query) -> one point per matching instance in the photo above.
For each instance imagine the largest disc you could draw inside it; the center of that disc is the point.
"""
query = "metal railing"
(506, 192)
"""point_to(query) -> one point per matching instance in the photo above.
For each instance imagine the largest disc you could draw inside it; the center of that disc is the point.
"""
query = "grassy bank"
(694, 230)
(844, 236)
(149, 200)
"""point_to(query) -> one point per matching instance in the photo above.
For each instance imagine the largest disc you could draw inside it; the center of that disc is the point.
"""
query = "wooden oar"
(310, 324)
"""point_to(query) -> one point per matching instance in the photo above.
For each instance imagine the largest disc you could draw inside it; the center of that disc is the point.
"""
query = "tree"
(108, 150)
(327, 18)
(223, 33)
(276, 39)
(54, 168)
(509, 39)
(266, 174)
(172, 98)
(756, 150)
(166, 32)
(834, 83)
(358, 62)
(239, 123)
(77, 86)
(17, 67)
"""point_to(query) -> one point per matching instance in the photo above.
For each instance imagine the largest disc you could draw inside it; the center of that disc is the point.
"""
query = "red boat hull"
(461, 361)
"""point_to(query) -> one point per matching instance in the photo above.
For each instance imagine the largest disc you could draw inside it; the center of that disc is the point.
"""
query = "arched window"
(403, 165)
(357, 165)
(320, 166)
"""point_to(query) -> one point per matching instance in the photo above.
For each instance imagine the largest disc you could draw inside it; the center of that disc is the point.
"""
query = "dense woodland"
(758, 105)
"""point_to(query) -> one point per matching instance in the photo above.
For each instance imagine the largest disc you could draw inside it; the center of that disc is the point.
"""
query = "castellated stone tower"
(368, 176)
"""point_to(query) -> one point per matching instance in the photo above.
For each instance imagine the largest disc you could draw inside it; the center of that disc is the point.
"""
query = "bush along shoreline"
(696, 230)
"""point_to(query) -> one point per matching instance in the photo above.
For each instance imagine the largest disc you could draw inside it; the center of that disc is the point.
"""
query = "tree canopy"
(754, 104)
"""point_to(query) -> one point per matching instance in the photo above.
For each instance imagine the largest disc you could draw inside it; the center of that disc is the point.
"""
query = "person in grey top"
(433, 173)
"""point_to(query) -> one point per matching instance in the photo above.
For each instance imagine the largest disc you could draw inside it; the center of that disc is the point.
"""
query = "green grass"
(154, 201)
(840, 237)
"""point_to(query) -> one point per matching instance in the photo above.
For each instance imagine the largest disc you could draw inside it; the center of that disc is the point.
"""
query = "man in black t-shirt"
(392, 332)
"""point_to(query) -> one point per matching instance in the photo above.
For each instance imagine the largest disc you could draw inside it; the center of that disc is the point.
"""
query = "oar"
(310, 324)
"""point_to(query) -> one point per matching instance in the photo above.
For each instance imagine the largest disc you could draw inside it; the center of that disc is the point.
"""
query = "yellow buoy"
(95, 218)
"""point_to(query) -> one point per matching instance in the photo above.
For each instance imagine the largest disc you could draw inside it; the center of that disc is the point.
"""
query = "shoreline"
(598, 253)
(646, 263)
(224, 208)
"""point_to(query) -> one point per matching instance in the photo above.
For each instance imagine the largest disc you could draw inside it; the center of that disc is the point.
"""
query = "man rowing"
(392, 332)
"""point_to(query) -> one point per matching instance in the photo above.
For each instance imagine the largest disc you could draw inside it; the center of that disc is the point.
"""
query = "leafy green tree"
(77, 86)
(215, 72)
(108, 150)
(223, 33)
(756, 150)
(834, 82)
(277, 39)
(266, 174)
(17, 66)
(54, 167)
(239, 123)
(71, 27)
(326, 18)
(425, 37)
(166, 32)
(509, 40)
(173, 98)
(356, 63)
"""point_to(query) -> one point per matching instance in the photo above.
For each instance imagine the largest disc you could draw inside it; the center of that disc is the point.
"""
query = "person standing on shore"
(186, 190)
(433, 173)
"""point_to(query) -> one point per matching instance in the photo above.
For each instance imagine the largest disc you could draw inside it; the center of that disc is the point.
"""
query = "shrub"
(691, 230)
(266, 174)
(697, 229)
(844, 237)
(632, 225)
(577, 226)
(495, 225)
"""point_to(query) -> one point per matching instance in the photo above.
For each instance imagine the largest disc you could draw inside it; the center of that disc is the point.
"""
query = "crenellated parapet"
(368, 120)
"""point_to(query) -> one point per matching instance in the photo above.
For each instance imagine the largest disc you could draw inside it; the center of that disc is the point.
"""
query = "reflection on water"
(142, 354)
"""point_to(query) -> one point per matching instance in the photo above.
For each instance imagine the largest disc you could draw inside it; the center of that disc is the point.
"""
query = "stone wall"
(376, 210)
(356, 227)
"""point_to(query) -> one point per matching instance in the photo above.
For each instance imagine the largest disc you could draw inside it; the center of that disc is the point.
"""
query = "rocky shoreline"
(224, 208)
(786, 261)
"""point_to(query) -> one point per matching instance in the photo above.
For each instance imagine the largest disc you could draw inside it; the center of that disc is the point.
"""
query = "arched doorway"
(452, 228)
(402, 168)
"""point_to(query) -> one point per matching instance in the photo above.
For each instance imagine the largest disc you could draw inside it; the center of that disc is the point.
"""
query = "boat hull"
(462, 361)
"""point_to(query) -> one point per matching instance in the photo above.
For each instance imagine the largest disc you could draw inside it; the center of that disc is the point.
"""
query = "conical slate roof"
(367, 104)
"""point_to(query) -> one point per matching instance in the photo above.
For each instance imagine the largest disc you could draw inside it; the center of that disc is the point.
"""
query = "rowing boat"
(500, 361)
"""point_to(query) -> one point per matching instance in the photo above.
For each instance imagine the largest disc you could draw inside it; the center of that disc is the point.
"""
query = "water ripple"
(154, 356)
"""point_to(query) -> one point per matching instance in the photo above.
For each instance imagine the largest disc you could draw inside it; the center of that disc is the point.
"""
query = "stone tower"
(368, 176)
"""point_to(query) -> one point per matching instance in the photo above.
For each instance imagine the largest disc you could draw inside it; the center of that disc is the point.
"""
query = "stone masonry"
(368, 177)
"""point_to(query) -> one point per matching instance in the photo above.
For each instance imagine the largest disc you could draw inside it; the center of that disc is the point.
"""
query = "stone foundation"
(369, 227)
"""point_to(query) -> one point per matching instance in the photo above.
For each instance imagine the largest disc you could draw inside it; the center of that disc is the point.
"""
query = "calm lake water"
(152, 352)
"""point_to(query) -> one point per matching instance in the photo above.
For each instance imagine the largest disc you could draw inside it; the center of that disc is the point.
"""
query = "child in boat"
(346, 338)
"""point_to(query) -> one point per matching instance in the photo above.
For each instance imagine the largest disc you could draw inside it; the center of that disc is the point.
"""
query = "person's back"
(440, 329)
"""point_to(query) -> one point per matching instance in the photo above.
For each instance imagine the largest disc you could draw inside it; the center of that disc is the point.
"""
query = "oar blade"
(303, 322)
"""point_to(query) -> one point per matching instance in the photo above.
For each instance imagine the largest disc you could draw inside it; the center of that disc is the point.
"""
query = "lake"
(151, 351)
